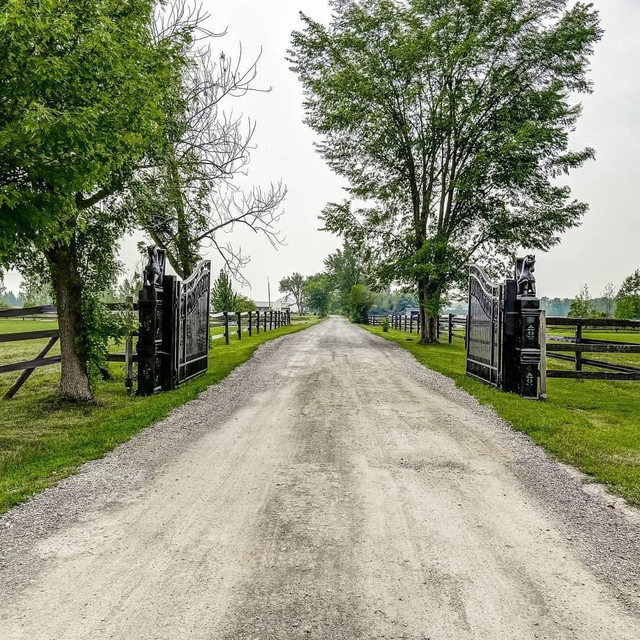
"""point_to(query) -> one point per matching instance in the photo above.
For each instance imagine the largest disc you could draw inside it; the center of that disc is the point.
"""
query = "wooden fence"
(49, 312)
(557, 347)
(238, 322)
(450, 325)
(249, 322)
(578, 345)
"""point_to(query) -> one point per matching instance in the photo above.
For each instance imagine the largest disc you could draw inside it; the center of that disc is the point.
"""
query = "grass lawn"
(42, 442)
(593, 425)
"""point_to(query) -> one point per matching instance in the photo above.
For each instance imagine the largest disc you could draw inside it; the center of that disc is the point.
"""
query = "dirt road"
(331, 488)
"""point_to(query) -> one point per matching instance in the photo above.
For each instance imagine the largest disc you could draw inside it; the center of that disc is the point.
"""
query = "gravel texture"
(331, 487)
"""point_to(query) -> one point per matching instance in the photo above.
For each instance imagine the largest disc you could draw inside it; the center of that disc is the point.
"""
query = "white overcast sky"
(605, 248)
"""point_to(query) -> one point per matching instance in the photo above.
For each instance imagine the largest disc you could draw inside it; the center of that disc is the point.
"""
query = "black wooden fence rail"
(49, 312)
(450, 325)
(558, 346)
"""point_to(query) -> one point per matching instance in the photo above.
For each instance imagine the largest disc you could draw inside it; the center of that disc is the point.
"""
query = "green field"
(593, 425)
(42, 442)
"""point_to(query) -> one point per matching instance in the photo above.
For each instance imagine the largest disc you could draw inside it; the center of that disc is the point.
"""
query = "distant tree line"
(344, 287)
(623, 303)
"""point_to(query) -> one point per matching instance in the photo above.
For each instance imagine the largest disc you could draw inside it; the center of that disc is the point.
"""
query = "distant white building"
(281, 304)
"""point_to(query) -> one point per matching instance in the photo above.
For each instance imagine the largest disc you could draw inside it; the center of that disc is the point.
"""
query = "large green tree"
(83, 87)
(317, 293)
(293, 285)
(345, 270)
(450, 121)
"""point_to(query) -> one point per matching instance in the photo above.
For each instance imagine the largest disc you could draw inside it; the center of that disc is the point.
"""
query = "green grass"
(593, 425)
(42, 442)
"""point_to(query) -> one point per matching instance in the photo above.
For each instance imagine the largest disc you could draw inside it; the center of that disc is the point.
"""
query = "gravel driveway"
(330, 488)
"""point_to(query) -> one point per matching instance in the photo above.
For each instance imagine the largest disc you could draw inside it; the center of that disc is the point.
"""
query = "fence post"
(226, 327)
(264, 321)
(578, 354)
(411, 323)
(271, 320)
(543, 355)
(250, 322)
(450, 328)
(258, 322)
(405, 321)
(239, 323)
(128, 355)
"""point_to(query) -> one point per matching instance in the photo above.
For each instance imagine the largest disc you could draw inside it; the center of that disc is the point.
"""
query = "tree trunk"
(67, 285)
(427, 295)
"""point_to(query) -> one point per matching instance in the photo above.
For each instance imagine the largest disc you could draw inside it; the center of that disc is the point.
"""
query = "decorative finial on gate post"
(525, 279)
(154, 271)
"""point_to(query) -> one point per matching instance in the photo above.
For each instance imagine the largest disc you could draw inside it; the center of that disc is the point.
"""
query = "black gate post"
(509, 380)
(521, 345)
(250, 323)
(450, 328)
(264, 321)
(270, 320)
(226, 327)
(170, 319)
(239, 321)
(150, 338)
(258, 322)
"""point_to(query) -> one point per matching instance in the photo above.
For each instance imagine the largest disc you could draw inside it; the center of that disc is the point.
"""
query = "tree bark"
(428, 320)
(67, 285)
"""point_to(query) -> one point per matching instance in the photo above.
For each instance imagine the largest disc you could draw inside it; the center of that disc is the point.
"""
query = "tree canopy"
(83, 85)
(450, 121)
(294, 285)
(84, 88)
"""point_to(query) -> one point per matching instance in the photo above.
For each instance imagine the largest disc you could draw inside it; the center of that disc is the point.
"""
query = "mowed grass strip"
(593, 425)
(42, 442)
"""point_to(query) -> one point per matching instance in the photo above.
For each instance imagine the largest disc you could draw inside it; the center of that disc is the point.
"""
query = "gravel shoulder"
(331, 487)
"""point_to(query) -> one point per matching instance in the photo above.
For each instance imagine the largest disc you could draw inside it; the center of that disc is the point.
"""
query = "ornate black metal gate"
(503, 326)
(173, 342)
(193, 323)
(484, 328)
